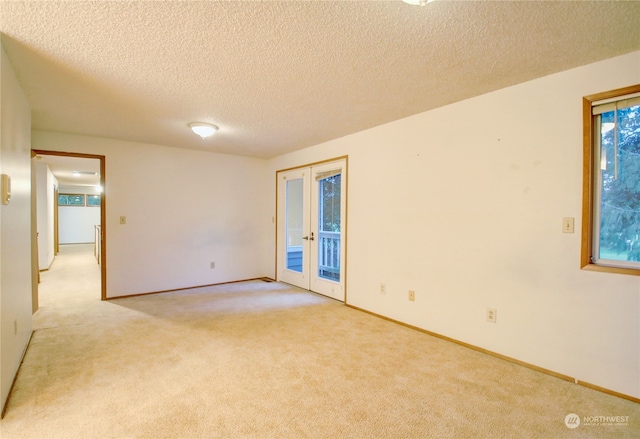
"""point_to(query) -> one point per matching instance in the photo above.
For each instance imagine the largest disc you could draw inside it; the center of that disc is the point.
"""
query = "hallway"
(72, 281)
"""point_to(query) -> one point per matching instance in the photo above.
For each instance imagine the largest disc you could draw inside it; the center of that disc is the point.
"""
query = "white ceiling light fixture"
(202, 129)
(418, 2)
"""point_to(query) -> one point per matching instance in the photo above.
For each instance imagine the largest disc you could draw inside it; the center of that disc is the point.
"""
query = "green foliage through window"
(70, 200)
(330, 203)
(93, 200)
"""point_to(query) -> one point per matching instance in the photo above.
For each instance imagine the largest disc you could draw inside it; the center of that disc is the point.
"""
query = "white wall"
(15, 227)
(45, 199)
(183, 209)
(76, 224)
(463, 204)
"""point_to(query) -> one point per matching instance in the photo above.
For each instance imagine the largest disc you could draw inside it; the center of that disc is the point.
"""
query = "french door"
(311, 228)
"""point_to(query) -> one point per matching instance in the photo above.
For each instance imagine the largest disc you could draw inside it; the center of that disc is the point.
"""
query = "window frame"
(588, 182)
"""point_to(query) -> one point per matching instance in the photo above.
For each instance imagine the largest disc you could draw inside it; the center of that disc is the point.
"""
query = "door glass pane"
(294, 218)
(329, 224)
(619, 220)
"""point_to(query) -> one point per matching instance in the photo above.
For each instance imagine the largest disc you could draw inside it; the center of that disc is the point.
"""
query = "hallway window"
(70, 200)
(93, 200)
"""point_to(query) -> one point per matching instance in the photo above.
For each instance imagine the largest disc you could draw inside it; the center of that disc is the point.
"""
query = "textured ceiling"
(277, 76)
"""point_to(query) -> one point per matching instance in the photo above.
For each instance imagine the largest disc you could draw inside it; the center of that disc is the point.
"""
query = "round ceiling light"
(202, 129)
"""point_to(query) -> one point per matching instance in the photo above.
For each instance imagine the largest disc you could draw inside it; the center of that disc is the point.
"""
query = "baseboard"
(608, 391)
(506, 358)
(15, 377)
(264, 279)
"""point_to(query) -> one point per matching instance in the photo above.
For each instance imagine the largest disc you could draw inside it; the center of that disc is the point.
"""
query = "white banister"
(329, 254)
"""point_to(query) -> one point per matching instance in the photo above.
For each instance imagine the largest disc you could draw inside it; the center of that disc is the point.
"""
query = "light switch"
(6, 189)
(123, 220)
(567, 225)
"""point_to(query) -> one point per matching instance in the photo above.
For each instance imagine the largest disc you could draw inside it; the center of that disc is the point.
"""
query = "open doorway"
(70, 207)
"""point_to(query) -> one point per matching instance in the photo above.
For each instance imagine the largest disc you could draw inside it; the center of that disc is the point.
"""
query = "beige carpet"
(266, 360)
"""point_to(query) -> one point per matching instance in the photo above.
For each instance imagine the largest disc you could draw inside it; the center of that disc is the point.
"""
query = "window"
(93, 200)
(329, 221)
(611, 193)
(71, 200)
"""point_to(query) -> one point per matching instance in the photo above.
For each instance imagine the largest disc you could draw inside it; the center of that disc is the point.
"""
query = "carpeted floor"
(266, 360)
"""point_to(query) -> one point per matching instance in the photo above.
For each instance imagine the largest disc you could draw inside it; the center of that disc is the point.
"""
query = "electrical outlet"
(383, 288)
(412, 295)
(492, 315)
(212, 265)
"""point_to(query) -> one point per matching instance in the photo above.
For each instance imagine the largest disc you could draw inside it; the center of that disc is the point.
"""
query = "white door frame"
(308, 278)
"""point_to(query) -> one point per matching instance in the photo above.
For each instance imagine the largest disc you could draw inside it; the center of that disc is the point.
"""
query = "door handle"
(309, 239)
